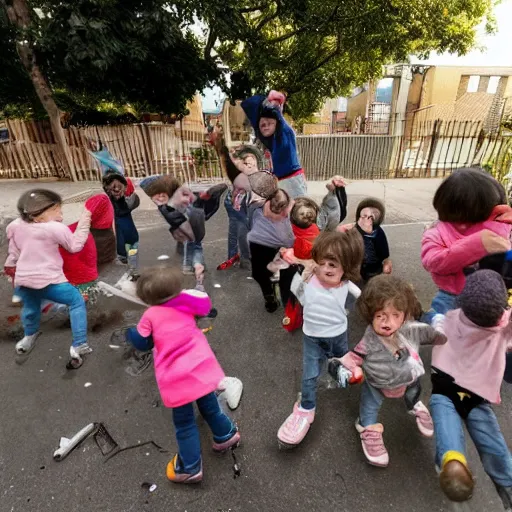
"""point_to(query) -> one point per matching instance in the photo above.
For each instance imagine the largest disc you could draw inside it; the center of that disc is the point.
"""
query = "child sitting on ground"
(466, 379)
(185, 367)
(34, 258)
(388, 358)
(323, 295)
(124, 199)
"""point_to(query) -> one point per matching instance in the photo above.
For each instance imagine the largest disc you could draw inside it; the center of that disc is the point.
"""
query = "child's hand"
(336, 181)
(494, 243)
(387, 266)
(289, 256)
(343, 228)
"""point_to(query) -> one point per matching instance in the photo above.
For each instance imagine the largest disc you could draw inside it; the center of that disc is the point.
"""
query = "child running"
(34, 241)
(186, 368)
(388, 357)
(323, 295)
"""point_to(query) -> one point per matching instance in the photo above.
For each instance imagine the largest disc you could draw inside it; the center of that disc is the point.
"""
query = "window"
(492, 86)
(474, 80)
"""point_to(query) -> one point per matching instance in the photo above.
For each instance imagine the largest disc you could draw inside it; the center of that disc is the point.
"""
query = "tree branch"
(247, 10)
(210, 43)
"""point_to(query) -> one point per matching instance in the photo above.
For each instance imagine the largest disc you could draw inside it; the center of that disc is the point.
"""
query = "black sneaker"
(271, 303)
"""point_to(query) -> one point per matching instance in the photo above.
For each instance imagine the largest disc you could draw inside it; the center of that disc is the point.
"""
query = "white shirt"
(324, 312)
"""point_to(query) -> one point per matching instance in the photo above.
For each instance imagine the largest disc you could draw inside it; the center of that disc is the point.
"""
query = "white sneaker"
(25, 345)
(16, 299)
(79, 350)
(232, 389)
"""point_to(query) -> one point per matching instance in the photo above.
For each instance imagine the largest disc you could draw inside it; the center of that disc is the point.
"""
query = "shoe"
(505, 493)
(121, 260)
(177, 475)
(271, 303)
(229, 263)
(232, 442)
(423, 419)
(79, 350)
(245, 264)
(25, 345)
(296, 426)
(373, 444)
(455, 478)
(188, 270)
(16, 300)
(232, 389)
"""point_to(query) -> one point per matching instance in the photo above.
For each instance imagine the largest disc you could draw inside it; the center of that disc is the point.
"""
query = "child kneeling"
(186, 368)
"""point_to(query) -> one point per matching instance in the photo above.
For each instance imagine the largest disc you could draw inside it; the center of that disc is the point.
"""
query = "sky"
(497, 51)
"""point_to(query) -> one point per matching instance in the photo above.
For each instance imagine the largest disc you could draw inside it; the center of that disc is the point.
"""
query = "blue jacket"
(282, 145)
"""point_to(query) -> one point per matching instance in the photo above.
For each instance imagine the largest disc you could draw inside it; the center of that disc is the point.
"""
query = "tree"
(315, 49)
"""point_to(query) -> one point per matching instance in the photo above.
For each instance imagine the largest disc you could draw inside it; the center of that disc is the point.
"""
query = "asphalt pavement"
(42, 402)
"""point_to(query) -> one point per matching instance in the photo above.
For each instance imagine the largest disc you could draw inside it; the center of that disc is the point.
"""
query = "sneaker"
(271, 303)
(455, 478)
(423, 419)
(245, 264)
(296, 426)
(188, 270)
(177, 475)
(16, 300)
(25, 345)
(75, 351)
(232, 442)
(373, 444)
(229, 263)
(232, 389)
(121, 260)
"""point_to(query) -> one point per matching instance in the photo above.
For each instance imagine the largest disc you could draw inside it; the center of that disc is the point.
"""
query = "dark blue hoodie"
(282, 145)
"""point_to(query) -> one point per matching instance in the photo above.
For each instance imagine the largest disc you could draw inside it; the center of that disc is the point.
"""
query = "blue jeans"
(441, 304)
(187, 433)
(316, 352)
(63, 293)
(193, 254)
(126, 233)
(296, 186)
(371, 402)
(237, 230)
(484, 430)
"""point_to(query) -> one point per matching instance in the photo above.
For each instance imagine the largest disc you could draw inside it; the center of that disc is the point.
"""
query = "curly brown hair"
(388, 289)
(157, 285)
(163, 185)
(347, 249)
(304, 212)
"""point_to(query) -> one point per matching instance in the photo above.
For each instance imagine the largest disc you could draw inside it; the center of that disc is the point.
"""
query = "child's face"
(366, 219)
(251, 163)
(183, 198)
(329, 273)
(267, 126)
(116, 189)
(160, 199)
(388, 320)
(52, 214)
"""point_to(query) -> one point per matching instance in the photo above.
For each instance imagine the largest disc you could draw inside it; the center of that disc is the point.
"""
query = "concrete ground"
(42, 401)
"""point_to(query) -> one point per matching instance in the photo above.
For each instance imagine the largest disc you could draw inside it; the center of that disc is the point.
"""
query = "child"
(388, 357)
(185, 366)
(34, 241)
(124, 199)
(473, 222)
(369, 216)
(338, 258)
(466, 378)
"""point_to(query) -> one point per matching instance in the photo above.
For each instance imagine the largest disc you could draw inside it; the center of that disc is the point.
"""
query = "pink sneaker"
(423, 419)
(373, 444)
(296, 426)
(226, 445)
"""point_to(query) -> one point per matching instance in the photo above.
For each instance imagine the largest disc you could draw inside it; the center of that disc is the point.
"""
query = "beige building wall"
(356, 106)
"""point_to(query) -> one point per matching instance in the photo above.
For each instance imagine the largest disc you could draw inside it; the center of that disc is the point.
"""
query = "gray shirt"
(270, 233)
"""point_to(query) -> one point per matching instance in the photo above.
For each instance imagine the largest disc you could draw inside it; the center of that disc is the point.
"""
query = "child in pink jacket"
(186, 368)
(474, 221)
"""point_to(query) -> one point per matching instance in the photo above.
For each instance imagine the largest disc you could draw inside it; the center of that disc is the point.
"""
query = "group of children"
(303, 257)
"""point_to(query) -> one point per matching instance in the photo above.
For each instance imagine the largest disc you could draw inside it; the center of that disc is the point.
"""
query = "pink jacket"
(474, 356)
(445, 252)
(34, 250)
(185, 366)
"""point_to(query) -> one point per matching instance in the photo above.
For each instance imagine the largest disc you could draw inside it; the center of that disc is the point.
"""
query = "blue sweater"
(282, 145)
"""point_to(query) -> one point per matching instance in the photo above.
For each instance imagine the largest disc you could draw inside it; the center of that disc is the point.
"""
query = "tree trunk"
(18, 13)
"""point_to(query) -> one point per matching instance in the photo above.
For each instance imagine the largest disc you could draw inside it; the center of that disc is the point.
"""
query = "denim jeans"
(316, 352)
(441, 304)
(187, 433)
(237, 230)
(126, 233)
(484, 430)
(296, 186)
(371, 402)
(193, 254)
(63, 293)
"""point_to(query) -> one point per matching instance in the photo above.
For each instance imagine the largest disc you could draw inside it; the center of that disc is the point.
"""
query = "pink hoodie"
(474, 356)
(445, 252)
(185, 366)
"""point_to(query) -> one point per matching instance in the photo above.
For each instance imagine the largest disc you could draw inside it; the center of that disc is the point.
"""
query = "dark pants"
(261, 256)
(508, 369)
(126, 233)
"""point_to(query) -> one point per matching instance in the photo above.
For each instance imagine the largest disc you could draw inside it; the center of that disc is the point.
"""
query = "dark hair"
(372, 202)
(163, 185)
(347, 249)
(278, 201)
(157, 285)
(468, 195)
(384, 289)
(111, 176)
(36, 201)
(304, 212)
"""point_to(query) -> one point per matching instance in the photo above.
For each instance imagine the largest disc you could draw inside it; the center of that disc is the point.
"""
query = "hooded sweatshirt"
(474, 356)
(445, 252)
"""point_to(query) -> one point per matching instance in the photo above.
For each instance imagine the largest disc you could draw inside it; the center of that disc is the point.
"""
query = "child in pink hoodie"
(467, 373)
(186, 368)
(474, 221)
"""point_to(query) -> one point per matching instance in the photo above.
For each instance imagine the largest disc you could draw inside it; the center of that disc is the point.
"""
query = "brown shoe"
(456, 481)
